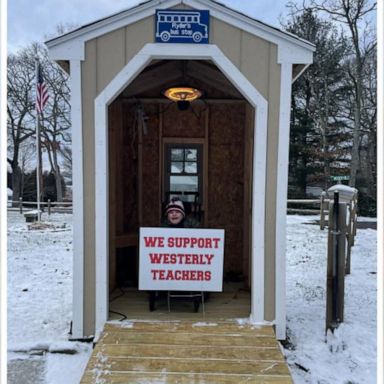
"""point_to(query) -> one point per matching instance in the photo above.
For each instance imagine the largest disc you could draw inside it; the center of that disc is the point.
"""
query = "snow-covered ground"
(348, 356)
(40, 302)
(40, 295)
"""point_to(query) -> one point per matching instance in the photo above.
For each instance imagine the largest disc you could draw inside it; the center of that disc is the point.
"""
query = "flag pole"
(38, 149)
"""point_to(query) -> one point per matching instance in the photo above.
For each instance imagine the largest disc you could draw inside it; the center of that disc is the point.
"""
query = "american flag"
(41, 91)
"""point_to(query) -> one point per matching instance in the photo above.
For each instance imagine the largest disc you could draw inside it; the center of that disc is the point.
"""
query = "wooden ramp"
(186, 352)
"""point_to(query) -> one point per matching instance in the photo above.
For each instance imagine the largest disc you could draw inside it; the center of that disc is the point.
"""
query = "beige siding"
(89, 79)
(137, 35)
(247, 52)
(257, 60)
(104, 58)
(228, 39)
(107, 55)
(110, 57)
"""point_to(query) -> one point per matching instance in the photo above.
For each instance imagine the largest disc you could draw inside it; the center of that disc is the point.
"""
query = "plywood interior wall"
(135, 177)
(226, 181)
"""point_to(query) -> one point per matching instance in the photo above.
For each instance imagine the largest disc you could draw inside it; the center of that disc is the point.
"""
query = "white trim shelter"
(293, 56)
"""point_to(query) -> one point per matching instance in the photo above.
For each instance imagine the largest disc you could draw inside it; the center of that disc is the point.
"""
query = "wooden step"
(171, 378)
(190, 326)
(186, 352)
(188, 365)
(193, 352)
(178, 338)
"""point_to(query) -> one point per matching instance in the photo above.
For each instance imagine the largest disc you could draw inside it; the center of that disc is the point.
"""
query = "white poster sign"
(181, 259)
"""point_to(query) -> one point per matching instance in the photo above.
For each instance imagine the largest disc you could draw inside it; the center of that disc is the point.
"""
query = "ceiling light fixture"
(182, 96)
(182, 93)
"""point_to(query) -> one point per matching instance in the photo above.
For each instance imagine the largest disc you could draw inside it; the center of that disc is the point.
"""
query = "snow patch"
(204, 324)
(122, 324)
(243, 321)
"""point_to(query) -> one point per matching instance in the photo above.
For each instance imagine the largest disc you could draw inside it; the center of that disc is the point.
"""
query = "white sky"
(35, 21)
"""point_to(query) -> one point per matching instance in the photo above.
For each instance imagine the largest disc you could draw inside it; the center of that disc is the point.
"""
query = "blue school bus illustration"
(187, 26)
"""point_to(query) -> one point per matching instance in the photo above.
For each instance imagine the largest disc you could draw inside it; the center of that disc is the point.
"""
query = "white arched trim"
(174, 52)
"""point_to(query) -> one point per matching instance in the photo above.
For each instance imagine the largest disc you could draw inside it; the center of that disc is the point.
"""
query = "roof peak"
(147, 8)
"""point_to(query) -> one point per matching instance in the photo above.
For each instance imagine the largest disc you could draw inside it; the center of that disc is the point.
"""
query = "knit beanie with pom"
(175, 205)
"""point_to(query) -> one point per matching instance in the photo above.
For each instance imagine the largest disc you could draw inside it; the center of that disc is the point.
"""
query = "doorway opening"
(202, 154)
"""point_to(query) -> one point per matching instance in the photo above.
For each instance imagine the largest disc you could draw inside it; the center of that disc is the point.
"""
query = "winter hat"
(175, 205)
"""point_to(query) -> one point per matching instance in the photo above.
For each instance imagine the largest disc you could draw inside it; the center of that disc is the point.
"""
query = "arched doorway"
(258, 121)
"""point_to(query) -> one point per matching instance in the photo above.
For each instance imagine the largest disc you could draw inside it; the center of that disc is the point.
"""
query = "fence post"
(349, 237)
(21, 205)
(49, 207)
(335, 263)
(354, 217)
(351, 231)
(322, 210)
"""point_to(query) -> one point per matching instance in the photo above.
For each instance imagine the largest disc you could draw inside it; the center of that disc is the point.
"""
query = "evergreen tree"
(49, 183)
(334, 103)
(318, 135)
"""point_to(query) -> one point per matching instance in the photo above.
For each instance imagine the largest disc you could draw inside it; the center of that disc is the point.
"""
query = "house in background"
(130, 141)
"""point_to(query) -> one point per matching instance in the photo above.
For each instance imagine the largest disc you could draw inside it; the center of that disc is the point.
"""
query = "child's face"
(174, 216)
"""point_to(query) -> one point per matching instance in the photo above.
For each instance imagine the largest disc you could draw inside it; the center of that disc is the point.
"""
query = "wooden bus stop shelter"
(129, 140)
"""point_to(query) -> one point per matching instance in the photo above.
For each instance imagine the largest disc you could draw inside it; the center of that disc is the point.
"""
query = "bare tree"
(368, 147)
(66, 153)
(55, 123)
(27, 156)
(317, 131)
(353, 15)
(20, 110)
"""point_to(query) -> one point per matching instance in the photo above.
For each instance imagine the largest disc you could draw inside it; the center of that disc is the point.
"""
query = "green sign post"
(339, 178)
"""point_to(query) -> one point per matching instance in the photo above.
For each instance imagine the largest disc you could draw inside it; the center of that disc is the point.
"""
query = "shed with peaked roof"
(130, 142)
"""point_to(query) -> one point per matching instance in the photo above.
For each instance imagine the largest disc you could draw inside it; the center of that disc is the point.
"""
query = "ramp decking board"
(208, 352)
(178, 338)
(170, 378)
(195, 327)
(186, 352)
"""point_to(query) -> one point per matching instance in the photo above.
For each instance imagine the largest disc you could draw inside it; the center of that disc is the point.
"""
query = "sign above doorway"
(182, 26)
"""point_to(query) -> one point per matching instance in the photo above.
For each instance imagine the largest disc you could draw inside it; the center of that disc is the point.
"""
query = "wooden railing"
(315, 206)
(55, 206)
(321, 204)
(49, 206)
(341, 220)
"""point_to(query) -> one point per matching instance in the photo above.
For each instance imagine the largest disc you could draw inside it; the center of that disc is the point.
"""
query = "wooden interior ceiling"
(160, 75)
